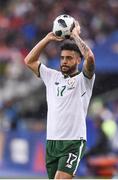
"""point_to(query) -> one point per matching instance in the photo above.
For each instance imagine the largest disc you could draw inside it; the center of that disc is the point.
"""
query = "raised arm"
(89, 60)
(32, 60)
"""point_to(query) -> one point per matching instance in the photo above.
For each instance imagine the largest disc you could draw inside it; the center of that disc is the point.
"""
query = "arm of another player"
(89, 60)
(32, 60)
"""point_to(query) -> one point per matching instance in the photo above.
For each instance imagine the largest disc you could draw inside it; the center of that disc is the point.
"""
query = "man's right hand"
(52, 37)
(32, 60)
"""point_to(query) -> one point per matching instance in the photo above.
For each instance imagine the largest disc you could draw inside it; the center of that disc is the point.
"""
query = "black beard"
(69, 71)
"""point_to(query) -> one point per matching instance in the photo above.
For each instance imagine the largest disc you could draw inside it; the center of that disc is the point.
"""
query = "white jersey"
(68, 100)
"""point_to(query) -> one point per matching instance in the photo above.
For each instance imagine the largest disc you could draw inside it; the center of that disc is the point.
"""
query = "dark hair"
(72, 46)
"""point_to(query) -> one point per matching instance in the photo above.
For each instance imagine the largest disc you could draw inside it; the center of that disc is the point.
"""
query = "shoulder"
(84, 76)
(44, 69)
(88, 82)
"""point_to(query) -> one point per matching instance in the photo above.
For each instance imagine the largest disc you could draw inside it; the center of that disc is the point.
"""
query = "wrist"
(46, 40)
(74, 36)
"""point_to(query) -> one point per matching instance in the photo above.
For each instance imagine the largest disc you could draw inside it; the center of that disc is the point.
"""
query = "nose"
(64, 61)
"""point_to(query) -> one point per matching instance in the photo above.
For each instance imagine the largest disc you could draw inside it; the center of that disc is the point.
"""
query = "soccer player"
(68, 95)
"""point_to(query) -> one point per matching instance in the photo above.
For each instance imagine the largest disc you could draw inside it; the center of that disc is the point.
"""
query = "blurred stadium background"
(22, 95)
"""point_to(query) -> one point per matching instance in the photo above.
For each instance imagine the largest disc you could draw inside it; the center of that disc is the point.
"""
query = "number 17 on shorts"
(70, 162)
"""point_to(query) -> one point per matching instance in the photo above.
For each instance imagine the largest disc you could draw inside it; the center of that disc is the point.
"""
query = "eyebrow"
(66, 56)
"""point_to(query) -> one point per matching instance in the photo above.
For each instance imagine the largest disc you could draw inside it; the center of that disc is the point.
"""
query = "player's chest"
(63, 87)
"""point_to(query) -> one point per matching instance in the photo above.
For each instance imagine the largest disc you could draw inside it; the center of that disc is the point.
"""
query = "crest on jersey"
(71, 83)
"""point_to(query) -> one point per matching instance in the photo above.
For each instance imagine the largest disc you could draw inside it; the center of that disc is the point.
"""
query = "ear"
(78, 60)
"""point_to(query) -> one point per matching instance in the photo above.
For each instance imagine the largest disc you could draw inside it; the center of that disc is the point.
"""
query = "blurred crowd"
(24, 23)
(101, 157)
(105, 116)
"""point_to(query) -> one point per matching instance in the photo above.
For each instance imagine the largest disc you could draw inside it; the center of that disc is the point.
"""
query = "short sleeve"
(46, 73)
(88, 82)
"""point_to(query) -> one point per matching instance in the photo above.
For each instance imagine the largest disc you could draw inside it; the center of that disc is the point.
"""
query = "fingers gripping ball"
(63, 26)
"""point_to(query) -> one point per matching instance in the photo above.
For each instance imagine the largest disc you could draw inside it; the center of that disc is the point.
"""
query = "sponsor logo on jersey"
(56, 83)
(83, 94)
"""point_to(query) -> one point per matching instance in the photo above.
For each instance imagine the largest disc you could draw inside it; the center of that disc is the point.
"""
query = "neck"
(72, 74)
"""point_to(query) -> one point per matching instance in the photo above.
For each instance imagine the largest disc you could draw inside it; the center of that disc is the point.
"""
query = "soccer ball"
(63, 26)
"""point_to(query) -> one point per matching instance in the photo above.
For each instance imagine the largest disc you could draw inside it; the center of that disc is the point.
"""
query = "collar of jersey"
(67, 76)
